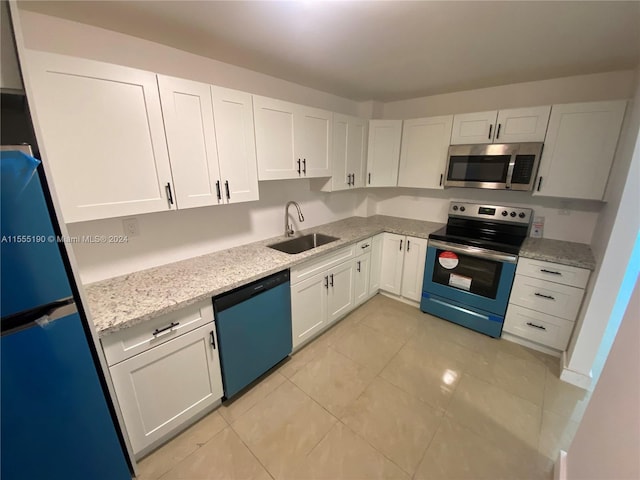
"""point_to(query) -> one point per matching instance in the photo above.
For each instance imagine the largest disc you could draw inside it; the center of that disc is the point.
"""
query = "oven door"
(470, 276)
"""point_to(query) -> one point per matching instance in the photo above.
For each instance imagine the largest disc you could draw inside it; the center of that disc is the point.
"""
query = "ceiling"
(383, 50)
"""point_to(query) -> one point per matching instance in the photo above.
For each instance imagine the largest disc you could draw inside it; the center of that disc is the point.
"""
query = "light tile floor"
(388, 392)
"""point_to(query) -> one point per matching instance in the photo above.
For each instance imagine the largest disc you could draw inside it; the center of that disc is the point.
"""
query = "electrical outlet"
(130, 227)
(537, 228)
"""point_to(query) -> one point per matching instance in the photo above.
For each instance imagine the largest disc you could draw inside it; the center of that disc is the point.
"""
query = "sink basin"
(304, 243)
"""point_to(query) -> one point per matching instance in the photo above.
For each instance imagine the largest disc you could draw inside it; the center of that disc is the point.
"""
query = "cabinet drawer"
(554, 272)
(126, 343)
(538, 327)
(363, 246)
(164, 387)
(547, 297)
(318, 265)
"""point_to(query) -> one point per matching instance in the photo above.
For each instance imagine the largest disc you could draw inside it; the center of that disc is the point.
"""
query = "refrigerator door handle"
(40, 316)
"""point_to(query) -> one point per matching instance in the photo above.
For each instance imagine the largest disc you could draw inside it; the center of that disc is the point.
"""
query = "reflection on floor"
(388, 392)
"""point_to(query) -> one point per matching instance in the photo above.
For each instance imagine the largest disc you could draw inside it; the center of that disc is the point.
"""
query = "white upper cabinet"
(349, 146)
(102, 136)
(235, 139)
(211, 144)
(514, 125)
(292, 141)
(520, 125)
(473, 128)
(383, 153)
(423, 157)
(191, 138)
(579, 149)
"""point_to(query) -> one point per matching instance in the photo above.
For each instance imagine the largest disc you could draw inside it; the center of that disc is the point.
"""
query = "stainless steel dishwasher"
(253, 324)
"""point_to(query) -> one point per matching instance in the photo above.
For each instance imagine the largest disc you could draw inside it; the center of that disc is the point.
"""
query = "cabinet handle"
(540, 327)
(366, 245)
(213, 339)
(441, 179)
(169, 194)
(304, 163)
(549, 297)
(490, 129)
(369, 179)
(353, 179)
(544, 270)
(358, 263)
(299, 169)
(331, 276)
(226, 187)
(158, 331)
(498, 132)
(326, 283)
(348, 179)
(218, 190)
(408, 245)
(539, 183)
(400, 244)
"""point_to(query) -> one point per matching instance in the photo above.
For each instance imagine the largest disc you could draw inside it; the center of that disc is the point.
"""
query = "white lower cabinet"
(362, 277)
(376, 261)
(340, 298)
(168, 384)
(402, 265)
(308, 308)
(544, 303)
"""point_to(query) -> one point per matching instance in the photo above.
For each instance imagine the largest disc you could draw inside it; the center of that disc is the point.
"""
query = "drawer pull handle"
(549, 297)
(158, 331)
(544, 270)
(366, 245)
(213, 339)
(536, 326)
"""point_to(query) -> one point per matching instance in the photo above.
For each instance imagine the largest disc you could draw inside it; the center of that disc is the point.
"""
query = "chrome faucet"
(288, 229)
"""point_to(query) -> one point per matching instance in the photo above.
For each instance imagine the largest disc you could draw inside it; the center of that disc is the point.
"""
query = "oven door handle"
(474, 251)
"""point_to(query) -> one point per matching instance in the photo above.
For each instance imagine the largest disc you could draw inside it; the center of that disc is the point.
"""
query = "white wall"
(580, 88)
(612, 243)
(51, 34)
(607, 442)
(573, 221)
(171, 236)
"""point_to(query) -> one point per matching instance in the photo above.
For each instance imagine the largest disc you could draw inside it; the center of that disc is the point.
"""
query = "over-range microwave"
(508, 166)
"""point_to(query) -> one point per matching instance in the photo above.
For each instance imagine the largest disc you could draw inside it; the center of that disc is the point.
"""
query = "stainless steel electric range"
(471, 264)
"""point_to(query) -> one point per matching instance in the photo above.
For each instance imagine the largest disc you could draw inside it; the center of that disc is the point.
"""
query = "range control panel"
(496, 213)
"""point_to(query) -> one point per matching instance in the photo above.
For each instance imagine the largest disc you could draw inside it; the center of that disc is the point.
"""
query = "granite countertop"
(127, 300)
(558, 251)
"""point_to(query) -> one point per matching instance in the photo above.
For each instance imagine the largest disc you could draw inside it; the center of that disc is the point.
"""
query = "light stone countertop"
(127, 300)
(558, 251)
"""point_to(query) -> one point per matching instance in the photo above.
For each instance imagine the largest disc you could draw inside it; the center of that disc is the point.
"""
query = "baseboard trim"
(400, 299)
(560, 467)
(578, 379)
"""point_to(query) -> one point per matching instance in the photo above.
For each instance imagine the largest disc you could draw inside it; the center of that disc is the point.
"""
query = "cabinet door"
(376, 262)
(312, 141)
(102, 135)
(519, 125)
(383, 153)
(274, 123)
(476, 127)
(391, 264)
(357, 150)
(340, 173)
(341, 295)
(413, 269)
(361, 284)
(235, 137)
(579, 148)
(309, 307)
(191, 138)
(164, 387)
(423, 158)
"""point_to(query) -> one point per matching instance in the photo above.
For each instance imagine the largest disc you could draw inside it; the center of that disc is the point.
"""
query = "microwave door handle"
(512, 164)
(474, 251)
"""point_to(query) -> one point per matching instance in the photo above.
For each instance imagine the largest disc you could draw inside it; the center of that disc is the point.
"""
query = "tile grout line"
(252, 452)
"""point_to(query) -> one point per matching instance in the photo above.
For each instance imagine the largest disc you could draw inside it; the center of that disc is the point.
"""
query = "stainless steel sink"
(304, 243)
